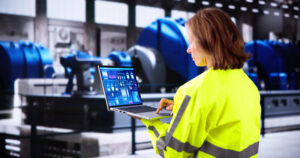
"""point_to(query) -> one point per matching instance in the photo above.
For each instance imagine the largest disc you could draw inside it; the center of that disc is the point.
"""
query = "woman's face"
(199, 55)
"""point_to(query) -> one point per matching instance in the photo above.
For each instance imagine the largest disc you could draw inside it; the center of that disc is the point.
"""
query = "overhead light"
(276, 13)
(231, 6)
(296, 16)
(249, 1)
(219, 5)
(273, 4)
(266, 12)
(262, 2)
(192, 1)
(296, 8)
(205, 3)
(244, 9)
(255, 10)
(285, 6)
(286, 15)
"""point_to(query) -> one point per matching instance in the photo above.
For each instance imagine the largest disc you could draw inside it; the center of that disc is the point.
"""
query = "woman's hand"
(165, 103)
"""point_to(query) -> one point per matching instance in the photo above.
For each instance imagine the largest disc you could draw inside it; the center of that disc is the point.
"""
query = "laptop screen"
(120, 86)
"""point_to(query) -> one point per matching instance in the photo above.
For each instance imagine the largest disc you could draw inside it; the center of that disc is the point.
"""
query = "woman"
(216, 114)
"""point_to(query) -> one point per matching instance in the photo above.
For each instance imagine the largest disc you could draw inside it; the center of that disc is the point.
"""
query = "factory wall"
(99, 39)
(14, 27)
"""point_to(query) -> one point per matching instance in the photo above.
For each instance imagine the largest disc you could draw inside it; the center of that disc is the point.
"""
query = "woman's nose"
(188, 50)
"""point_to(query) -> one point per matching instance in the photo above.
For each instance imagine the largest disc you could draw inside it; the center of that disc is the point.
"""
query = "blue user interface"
(120, 86)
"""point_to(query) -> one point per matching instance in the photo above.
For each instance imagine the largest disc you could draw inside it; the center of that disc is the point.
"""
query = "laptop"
(122, 93)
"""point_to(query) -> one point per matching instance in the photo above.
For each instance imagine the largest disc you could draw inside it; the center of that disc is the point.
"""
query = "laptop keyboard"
(138, 109)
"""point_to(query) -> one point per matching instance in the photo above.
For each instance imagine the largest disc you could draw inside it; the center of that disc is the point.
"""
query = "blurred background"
(51, 99)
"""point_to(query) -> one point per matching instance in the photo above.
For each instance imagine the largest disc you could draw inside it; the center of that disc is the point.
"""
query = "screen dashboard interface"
(120, 86)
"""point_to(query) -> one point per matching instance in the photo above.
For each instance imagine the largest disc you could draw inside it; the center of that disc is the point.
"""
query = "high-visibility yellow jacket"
(216, 114)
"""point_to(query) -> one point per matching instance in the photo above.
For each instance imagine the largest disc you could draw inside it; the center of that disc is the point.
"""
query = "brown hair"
(218, 35)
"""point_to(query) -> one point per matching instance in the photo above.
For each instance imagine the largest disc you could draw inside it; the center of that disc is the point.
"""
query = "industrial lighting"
(296, 8)
(231, 6)
(192, 1)
(244, 9)
(296, 16)
(255, 10)
(262, 2)
(276, 13)
(13, 148)
(12, 141)
(286, 15)
(273, 4)
(285, 6)
(219, 5)
(249, 1)
(266, 12)
(205, 3)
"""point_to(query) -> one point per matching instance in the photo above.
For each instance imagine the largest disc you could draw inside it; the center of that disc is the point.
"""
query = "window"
(66, 9)
(17, 7)
(233, 19)
(146, 15)
(247, 32)
(113, 13)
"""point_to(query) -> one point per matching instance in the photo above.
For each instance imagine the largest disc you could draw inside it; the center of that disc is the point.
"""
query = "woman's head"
(215, 41)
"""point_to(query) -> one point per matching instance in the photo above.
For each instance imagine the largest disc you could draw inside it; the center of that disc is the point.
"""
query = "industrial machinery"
(273, 66)
(80, 63)
(169, 38)
(276, 64)
(21, 60)
(150, 68)
(148, 63)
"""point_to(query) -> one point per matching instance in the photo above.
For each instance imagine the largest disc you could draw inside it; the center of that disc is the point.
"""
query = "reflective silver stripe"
(227, 153)
(213, 150)
(179, 146)
(161, 146)
(154, 130)
(174, 143)
(177, 118)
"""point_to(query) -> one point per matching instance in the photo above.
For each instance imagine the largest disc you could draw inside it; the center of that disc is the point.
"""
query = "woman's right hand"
(165, 103)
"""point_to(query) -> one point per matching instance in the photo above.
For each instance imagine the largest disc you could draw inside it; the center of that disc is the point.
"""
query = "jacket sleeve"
(157, 131)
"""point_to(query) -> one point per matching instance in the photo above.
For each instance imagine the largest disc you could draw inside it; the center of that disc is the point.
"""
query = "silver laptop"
(122, 93)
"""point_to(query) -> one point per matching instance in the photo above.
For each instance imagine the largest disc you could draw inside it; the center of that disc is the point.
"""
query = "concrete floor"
(280, 145)
(273, 145)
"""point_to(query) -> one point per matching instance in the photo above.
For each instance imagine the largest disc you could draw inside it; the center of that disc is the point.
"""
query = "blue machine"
(81, 65)
(278, 81)
(276, 62)
(120, 58)
(12, 63)
(264, 57)
(21, 60)
(288, 55)
(169, 37)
